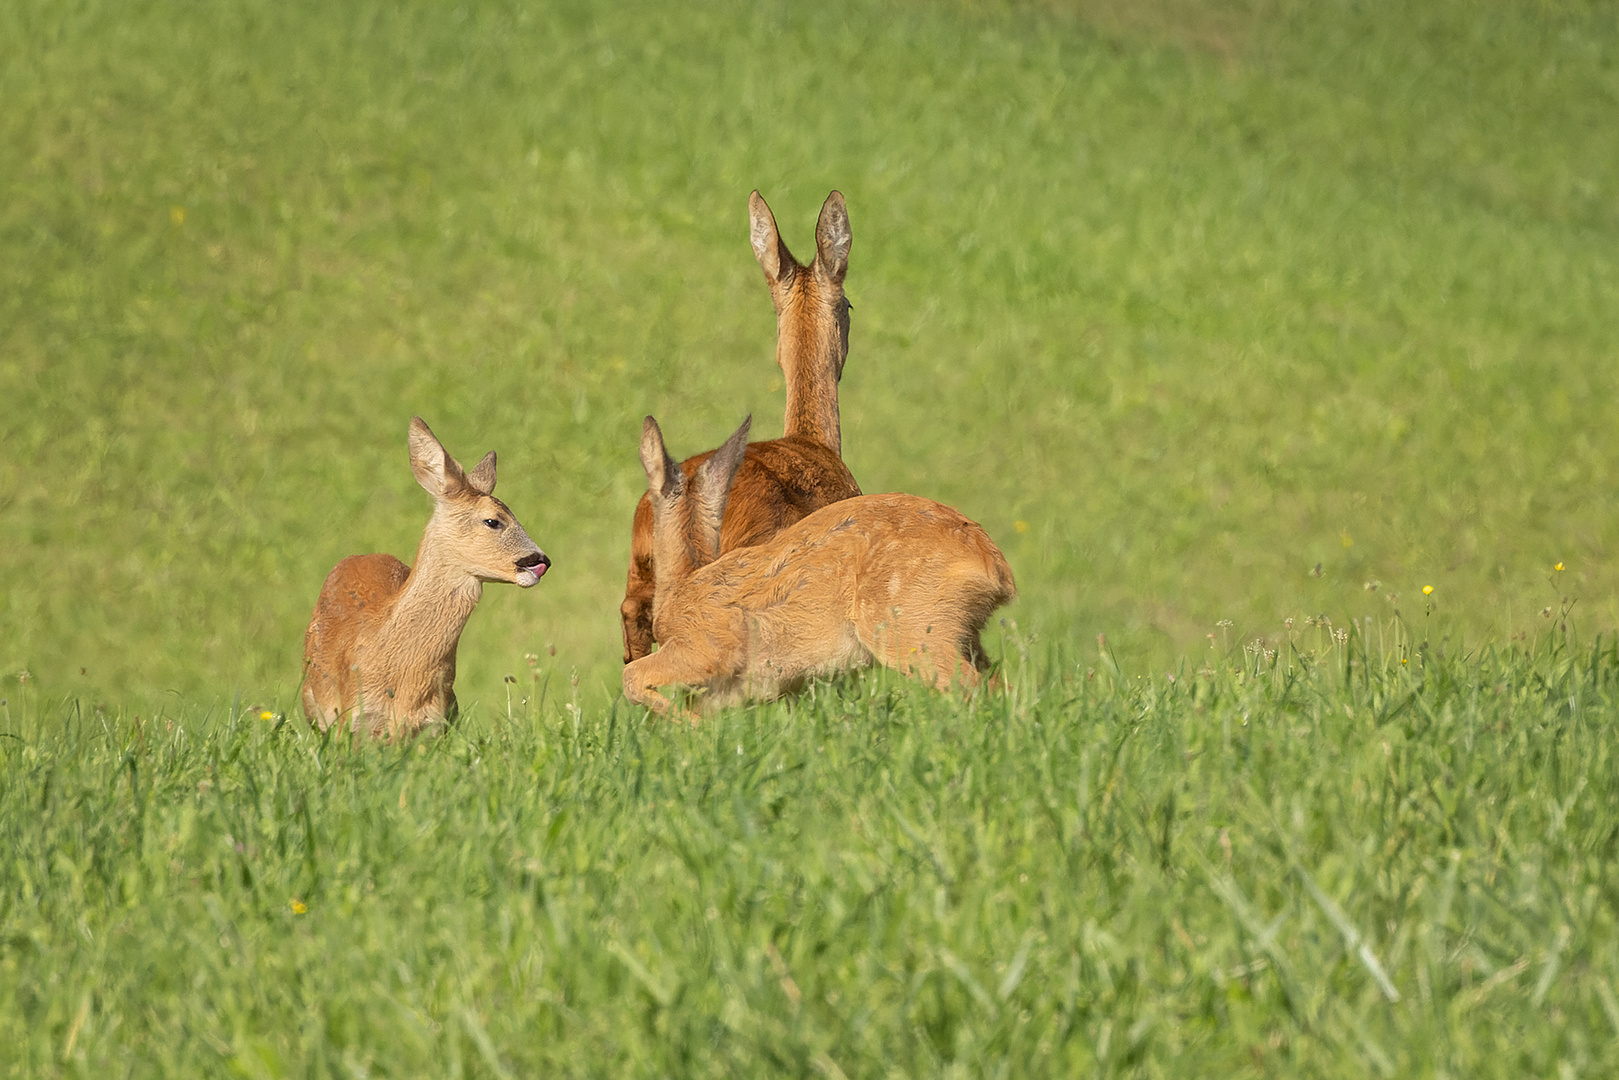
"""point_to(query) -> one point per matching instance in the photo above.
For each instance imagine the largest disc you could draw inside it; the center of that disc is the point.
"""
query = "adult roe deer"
(899, 579)
(380, 649)
(783, 479)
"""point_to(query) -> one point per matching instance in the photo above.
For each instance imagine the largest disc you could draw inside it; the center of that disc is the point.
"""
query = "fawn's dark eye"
(493, 523)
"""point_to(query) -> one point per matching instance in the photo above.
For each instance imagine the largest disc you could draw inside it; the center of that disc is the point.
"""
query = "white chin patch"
(527, 579)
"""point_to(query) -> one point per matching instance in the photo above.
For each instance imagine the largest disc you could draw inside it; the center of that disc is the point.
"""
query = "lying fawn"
(380, 651)
(781, 480)
(896, 578)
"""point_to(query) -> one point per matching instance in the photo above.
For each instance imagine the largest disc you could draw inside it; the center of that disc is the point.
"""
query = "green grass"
(1216, 314)
(1299, 865)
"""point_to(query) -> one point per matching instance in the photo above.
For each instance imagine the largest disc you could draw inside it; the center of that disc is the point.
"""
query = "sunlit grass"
(1271, 341)
(1310, 861)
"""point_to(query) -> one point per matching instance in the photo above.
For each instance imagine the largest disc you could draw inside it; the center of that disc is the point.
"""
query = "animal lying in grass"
(898, 579)
(379, 654)
(783, 479)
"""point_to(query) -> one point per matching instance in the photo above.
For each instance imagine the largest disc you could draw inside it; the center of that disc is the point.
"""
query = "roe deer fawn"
(896, 578)
(781, 480)
(380, 649)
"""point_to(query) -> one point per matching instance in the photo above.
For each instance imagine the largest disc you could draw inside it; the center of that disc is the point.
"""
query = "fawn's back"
(899, 579)
(355, 602)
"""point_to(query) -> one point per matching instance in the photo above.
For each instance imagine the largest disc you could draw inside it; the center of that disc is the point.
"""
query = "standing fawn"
(781, 480)
(898, 579)
(380, 651)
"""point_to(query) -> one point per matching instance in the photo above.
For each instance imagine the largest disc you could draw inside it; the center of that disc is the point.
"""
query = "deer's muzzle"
(530, 568)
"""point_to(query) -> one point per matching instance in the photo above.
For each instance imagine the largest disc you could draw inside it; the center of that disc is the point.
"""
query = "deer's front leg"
(669, 665)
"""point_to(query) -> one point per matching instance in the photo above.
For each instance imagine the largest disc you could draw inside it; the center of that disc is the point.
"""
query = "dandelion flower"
(298, 906)
(1559, 566)
(1427, 590)
(266, 715)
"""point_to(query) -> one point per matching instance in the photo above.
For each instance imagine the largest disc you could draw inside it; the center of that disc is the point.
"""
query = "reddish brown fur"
(899, 579)
(379, 653)
(781, 480)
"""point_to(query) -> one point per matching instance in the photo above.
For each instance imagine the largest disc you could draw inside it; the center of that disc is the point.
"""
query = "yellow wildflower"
(1427, 590)
(298, 906)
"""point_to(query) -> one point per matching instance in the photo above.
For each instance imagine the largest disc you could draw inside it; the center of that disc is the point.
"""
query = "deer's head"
(476, 531)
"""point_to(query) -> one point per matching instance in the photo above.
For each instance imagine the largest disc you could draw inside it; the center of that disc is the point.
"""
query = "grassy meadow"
(1337, 865)
(1226, 318)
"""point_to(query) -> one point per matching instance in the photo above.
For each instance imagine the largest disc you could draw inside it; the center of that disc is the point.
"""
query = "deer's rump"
(892, 577)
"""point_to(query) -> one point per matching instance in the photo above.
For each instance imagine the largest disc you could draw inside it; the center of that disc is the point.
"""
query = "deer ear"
(774, 258)
(716, 475)
(439, 474)
(833, 239)
(482, 476)
(662, 473)
(427, 458)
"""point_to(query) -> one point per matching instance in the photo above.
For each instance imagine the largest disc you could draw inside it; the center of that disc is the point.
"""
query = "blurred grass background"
(1207, 311)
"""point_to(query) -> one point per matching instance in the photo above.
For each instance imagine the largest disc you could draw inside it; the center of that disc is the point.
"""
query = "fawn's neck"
(434, 606)
(680, 548)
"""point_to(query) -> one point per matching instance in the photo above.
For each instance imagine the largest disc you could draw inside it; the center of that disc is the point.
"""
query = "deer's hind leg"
(947, 666)
(973, 656)
(917, 647)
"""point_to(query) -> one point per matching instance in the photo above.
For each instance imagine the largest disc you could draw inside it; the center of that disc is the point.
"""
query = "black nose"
(536, 559)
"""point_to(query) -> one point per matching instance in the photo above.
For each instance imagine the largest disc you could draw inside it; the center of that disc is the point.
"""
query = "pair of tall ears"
(440, 475)
(832, 240)
(710, 485)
